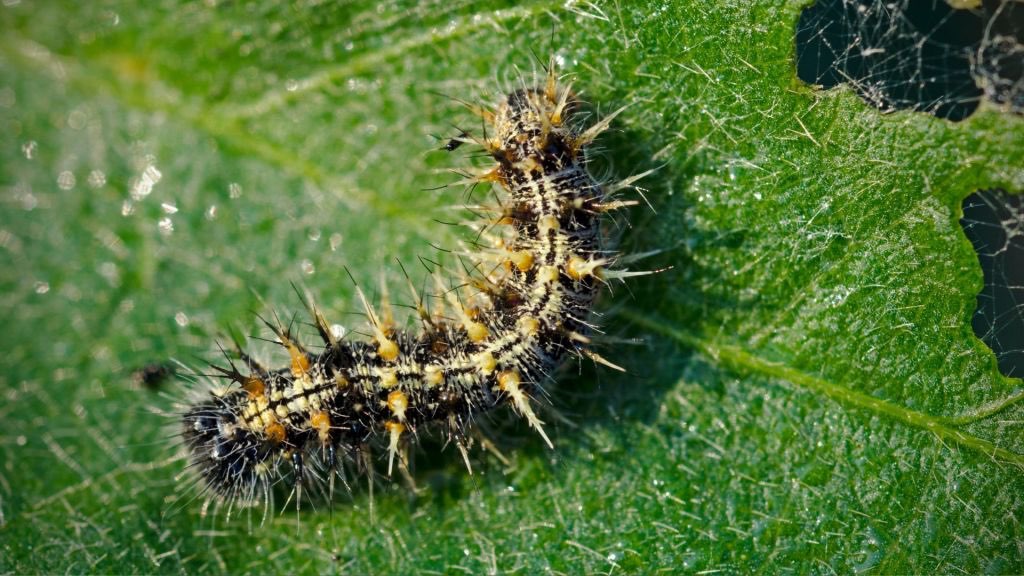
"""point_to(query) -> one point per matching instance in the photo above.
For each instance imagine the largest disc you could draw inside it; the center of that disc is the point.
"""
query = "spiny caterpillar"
(494, 340)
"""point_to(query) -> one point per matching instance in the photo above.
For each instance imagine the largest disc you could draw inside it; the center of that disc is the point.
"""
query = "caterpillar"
(494, 340)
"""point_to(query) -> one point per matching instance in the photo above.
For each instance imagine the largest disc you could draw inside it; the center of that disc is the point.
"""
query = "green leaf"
(809, 395)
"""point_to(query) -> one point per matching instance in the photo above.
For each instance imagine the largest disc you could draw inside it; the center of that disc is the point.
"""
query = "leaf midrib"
(739, 358)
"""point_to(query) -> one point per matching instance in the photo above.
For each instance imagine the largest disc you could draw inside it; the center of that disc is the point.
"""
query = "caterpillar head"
(233, 461)
(535, 119)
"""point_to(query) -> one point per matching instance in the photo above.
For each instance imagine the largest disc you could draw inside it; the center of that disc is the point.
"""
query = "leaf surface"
(808, 397)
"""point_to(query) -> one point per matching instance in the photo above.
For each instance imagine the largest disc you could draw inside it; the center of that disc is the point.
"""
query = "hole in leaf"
(916, 55)
(994, 223)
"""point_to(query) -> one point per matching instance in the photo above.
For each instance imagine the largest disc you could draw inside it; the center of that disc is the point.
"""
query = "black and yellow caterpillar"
(494, 341)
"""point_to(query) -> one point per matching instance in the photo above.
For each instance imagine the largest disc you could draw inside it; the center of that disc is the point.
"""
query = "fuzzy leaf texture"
(808, 395)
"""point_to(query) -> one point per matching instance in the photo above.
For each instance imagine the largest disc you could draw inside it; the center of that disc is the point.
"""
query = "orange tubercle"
(254, 386)
(433, 375)
(275, 432)
(397, 403)
(485, 362)
(577, 268)
(522, 260)
(477, 332)
(508, 381)
(388, 350)
(320, 421)
(529, 325)
(300, 362)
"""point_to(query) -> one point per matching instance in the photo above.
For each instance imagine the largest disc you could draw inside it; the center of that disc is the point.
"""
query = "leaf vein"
(738, 358)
